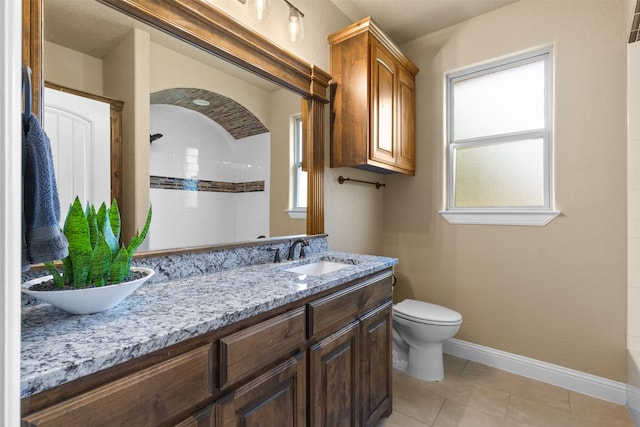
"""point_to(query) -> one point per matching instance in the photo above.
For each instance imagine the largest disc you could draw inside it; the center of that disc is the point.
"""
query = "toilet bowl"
(419, 330)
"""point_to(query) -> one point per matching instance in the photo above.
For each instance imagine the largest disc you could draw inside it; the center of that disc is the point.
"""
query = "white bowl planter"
(87, 300)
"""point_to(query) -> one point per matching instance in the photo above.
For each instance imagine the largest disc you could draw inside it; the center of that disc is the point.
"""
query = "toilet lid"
(425, 312)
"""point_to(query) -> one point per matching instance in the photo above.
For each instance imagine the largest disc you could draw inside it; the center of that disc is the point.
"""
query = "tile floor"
(474, 395)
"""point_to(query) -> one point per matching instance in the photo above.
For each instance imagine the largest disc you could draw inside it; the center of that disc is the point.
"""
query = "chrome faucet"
(292, 249)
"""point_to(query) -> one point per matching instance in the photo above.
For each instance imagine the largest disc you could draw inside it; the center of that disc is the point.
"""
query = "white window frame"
(534, 215)
(296, 211)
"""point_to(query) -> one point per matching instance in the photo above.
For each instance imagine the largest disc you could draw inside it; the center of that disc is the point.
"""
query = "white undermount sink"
(318, 268)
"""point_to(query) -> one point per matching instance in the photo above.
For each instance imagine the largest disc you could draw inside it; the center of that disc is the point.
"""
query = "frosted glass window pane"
(301, 177)
(504, 101)
(302, 189)
(498, 175)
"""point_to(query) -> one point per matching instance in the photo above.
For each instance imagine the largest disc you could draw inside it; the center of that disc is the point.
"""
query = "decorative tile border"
(171, 183)
(635, 25)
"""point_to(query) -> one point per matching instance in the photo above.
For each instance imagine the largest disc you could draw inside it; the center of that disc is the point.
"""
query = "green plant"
(94, 253)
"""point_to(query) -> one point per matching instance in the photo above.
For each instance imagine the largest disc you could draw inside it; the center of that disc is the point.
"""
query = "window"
(299, 177)
(499, 143)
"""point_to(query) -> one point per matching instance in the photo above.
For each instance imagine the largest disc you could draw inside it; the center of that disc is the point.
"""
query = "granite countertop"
(58, 347)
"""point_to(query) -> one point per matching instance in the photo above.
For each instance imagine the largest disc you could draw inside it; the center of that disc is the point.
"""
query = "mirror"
(216, 35)
(209, 165)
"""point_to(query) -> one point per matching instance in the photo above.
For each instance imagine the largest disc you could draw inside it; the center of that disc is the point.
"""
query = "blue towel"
(42, 238)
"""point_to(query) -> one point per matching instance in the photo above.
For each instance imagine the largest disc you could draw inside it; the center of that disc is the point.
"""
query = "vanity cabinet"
(251, 349)
(334, 381)
(376, 364)
(372, 101)
(151, 396)
(324, 360)
(350, 355)
(276, 398)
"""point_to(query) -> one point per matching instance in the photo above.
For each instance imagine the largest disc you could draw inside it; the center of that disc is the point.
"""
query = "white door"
(79, 130)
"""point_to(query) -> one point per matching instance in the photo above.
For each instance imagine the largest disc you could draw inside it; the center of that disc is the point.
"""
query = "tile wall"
(206, 187)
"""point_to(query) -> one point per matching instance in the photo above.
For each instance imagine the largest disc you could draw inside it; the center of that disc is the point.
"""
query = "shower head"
(154, 137)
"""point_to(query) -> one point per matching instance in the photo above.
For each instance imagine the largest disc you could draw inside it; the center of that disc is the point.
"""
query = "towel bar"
(342, 179)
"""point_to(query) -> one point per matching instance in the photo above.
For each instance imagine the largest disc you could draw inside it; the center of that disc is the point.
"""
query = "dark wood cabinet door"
(203, 418)
(274, 399)
(383, 105)
(334, 379)
(376, 364)
(406, 126)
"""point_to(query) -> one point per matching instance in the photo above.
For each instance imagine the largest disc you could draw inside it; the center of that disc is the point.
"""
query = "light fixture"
(296, 29)
(260, 9)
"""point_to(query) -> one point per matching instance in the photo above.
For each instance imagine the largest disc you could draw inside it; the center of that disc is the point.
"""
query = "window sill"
(297, 213)
(532, 218)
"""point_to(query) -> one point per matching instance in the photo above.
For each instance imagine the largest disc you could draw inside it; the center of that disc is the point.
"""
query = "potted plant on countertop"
(97, 274)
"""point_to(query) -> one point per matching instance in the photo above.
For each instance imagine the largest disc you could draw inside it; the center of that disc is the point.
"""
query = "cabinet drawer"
(246, 351)
(338, 309)
(149, 397)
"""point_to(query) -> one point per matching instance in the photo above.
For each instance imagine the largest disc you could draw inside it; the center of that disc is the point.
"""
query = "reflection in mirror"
(80, 134)
(199, 172)
(209, 166)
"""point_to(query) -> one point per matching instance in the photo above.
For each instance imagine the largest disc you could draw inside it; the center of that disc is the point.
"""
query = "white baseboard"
(635, 416)
(633, 401)
(581, 382)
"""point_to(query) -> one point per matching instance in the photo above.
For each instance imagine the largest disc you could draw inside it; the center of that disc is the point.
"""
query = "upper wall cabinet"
(372, 101)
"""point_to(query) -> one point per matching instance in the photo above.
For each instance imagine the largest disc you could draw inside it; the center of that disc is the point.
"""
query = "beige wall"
(555, 293)
(284, 105)
(321, 19)
(633, 213)
(72, 69)
(126, 77)
(171, 69)
(354, 212)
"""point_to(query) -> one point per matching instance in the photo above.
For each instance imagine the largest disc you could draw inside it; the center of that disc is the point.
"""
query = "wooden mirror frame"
(203, 25)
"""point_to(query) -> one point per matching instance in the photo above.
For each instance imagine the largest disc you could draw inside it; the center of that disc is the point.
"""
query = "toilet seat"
(426, 313)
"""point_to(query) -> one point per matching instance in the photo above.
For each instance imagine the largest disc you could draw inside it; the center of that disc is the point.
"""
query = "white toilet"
(419, 330)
